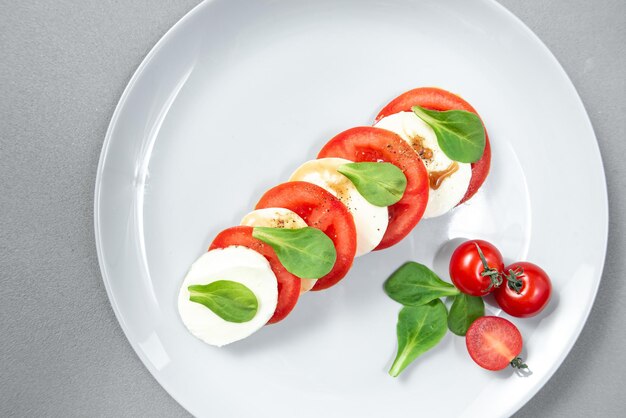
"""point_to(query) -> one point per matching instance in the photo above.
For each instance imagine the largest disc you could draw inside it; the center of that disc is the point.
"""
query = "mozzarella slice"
(449, 179)
(274, 218)
(370, 221)
(278, 218)
(238, 264)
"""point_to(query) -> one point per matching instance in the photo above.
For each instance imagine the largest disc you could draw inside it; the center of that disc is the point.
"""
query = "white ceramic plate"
(238, 94)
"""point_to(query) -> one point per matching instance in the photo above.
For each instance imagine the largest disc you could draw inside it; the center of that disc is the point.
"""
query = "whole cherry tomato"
(475, 267)
(526, 292)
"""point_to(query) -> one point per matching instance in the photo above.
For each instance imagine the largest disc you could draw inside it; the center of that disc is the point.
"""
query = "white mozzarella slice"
(422, 138)
(274, 218)
(370, 221)
(278, 218)
(238, 264)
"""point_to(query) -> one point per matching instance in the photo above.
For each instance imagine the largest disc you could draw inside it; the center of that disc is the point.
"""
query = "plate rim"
(512, 408)
(98, 185)
(605, 203)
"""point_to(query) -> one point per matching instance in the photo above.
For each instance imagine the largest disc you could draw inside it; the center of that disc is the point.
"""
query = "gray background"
(63, 66)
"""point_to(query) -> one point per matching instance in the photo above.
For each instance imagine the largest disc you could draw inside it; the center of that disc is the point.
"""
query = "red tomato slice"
(321, 210)
(369, 144)
(288, 284)
(439, 99)
(493, 342)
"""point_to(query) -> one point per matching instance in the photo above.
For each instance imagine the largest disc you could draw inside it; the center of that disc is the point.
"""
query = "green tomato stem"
(494, 276)
(513, 279)
(518, 363)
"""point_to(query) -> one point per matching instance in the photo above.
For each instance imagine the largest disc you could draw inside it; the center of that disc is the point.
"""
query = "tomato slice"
(493, 342)
(321, 210)
(439, 99)
(288, 284)
(370, 144)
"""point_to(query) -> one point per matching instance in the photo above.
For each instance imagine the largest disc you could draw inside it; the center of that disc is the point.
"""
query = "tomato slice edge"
(368, 143)
(439, 99)
(288, 284)
(319, 209)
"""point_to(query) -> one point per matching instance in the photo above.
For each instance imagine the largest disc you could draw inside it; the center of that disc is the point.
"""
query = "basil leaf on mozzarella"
(460, 134)
(279, 218)
(305, 252)
(381, 184)
(231, 301)
(423, 139)
(370, 221)
(238, 264)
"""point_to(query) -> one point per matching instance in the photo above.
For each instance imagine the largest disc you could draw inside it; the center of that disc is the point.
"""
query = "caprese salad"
(369, 186)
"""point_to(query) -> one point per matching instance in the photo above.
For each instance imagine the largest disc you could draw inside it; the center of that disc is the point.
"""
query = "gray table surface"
(63, 66)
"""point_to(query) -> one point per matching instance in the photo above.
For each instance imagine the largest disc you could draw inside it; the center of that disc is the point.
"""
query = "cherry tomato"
(288, 284)
(474, 273)
(370, 144)
(321, 210)
(526, 291)
(439, 99)
(494, 343)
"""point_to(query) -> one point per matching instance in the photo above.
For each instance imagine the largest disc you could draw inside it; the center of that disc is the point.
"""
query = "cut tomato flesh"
(439, 99)
(370, 144)
(288, 284)
(493, 342)
(323, 211)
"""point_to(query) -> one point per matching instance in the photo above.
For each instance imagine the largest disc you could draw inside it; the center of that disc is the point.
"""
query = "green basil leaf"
(419, 329)
(414, 284)
(464, 310)
(305, 252)
(460, 134)
(231, 301)
(381, 184)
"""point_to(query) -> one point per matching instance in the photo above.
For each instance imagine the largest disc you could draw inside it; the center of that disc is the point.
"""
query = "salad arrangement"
(476, 269)
(369, 186)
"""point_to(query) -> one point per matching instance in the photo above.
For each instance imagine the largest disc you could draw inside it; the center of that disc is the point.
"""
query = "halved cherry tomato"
(494, 343)
(288, 284)
(369, 144)
(526, 292)
(439, 99)
(473, 275)
(321, 210)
